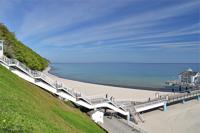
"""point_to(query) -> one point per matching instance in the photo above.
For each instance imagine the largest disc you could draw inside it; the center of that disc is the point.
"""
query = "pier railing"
(182, 96)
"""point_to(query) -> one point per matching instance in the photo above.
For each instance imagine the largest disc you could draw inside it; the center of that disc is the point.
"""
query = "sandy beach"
(180, 118)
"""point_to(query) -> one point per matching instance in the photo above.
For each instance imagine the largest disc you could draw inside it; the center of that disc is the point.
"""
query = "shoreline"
(119, 92)
(112, 85)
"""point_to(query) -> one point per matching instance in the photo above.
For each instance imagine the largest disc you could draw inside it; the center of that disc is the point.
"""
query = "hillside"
(27, 108)
(16, 49)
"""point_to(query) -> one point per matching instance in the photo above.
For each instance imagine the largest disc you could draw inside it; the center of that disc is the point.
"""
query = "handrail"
(183, 95)
(96, 96)
(38, 74)
(150, 103)
(169, 98)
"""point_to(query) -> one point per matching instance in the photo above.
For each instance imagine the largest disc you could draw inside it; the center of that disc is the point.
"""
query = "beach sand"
(180, 118)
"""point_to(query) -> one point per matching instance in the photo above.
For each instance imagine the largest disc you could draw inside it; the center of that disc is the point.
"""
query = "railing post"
(128, 117)
(183, 101)
(165, 107)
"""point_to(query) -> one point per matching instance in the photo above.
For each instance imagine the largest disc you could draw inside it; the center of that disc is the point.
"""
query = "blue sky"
(107, 30)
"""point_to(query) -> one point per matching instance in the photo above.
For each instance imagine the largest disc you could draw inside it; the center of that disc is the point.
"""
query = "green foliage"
(16, 49)
(25, 108)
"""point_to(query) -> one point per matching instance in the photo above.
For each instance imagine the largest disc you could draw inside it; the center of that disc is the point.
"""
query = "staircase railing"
(20, 65)
(55, 84)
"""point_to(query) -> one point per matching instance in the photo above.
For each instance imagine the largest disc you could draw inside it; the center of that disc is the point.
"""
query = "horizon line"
(125, 62)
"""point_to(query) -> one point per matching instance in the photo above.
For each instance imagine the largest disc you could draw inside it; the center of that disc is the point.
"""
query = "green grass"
(27, 108)
(13, 48)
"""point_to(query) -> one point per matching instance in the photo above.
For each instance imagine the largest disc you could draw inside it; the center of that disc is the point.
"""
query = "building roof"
(189, 72)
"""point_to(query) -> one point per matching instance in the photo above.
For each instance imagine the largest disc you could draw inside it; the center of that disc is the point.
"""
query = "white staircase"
(42, 80)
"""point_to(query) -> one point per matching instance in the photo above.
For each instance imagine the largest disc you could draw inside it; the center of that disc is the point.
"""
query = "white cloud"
(55, 15)
(131, 27)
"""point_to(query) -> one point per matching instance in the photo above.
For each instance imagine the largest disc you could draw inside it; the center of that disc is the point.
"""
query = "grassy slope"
(16, 49)
(27, 108)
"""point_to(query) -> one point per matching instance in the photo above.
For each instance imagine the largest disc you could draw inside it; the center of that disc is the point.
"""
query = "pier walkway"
(135, 108)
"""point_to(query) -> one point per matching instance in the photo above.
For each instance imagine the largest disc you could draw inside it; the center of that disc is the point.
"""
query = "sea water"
(130, 75)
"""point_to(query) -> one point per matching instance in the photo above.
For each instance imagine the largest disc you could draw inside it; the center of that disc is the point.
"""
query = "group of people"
(111, 98)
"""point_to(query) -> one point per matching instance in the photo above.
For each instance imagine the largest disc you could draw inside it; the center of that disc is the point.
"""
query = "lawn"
(27, 108)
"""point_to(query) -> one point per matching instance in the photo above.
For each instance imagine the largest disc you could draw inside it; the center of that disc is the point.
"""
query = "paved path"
(116, 126)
